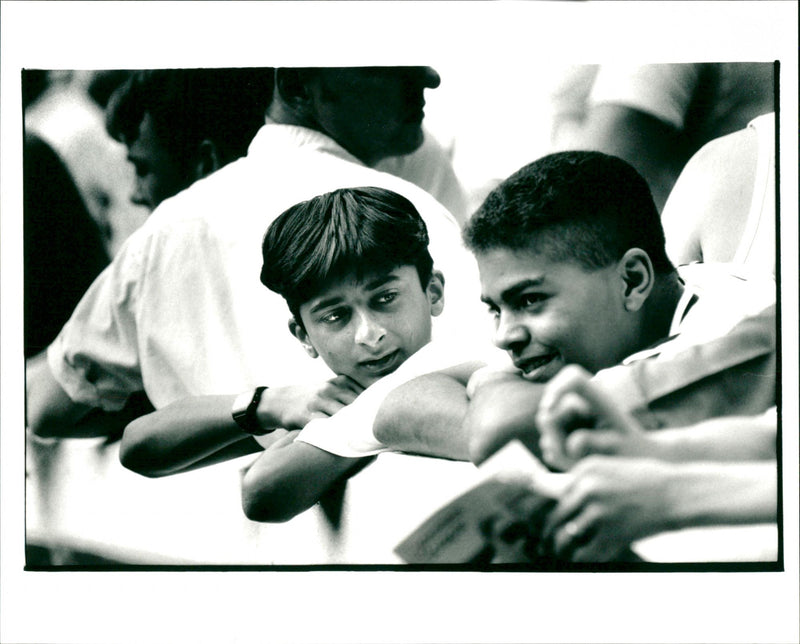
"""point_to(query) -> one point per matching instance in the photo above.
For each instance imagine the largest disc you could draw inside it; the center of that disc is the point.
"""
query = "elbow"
(134, 459)
(135, 454)
(47, 421)
(264, 502)
(393, 415)
(43, 426)
(488, 430)
(383, 427)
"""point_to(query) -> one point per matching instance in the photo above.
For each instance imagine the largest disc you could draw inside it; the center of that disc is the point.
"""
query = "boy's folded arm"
(438, 414)
(500, 410)
(183, 435)
(425, 416)
(289, 478)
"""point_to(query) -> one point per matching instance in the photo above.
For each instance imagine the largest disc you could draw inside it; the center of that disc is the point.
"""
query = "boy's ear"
(208, 159)
(435, 292)
(638, 278)
(297, 330)
(292, 86)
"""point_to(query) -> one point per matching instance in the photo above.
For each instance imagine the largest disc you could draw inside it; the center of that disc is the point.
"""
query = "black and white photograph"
(399, 322)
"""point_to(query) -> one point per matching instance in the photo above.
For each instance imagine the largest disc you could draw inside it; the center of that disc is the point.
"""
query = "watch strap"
(244, 412)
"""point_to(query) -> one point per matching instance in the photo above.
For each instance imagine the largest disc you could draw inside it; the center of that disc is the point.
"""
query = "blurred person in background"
(63, 225)
(657, 116)
(177, 125)
(324, 128)
(180, 125)
(63, 247)
(65, 109)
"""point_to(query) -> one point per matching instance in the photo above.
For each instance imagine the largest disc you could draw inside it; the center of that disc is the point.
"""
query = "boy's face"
(372, 112)
(548, 314)
(366, 329)
(158, 173)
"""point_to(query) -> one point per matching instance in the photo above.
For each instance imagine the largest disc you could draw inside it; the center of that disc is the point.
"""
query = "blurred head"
(372, 112)
(353, 266)
(180, 125)
(569, 250)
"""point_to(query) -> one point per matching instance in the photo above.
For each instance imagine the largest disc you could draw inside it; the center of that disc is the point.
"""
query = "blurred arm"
(652, 146)
(50, 412)
(613, 501)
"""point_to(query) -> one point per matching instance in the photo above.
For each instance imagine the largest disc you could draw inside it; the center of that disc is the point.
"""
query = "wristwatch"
(244, 412)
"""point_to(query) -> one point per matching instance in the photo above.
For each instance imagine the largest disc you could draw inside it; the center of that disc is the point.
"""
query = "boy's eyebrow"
(516, 289)
(325, 303)
(382, 280)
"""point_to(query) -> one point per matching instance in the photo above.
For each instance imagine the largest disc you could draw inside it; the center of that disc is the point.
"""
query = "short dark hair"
(359, 230)
(225, 105)
(580, 206)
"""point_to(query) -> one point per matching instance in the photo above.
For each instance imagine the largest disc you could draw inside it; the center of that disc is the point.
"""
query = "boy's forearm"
(289, 478)
(425, 416)
(501, 410)
(180, 436)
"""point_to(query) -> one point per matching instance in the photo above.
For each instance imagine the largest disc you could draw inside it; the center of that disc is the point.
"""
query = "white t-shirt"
(181, 310)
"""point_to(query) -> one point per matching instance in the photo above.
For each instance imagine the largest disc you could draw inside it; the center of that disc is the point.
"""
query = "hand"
(295, 406)
(570, 404)
(608, 504)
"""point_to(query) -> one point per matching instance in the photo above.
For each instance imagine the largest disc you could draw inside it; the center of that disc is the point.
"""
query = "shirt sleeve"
(734, 374)
(663, 91)
(95, 357)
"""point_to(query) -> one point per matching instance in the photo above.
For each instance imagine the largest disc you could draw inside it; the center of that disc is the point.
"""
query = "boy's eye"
(386, 297)
(527, 300)
(332, 317)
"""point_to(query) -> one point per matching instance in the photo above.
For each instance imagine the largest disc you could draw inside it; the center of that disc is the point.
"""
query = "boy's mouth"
(537, 369)
(382, 366)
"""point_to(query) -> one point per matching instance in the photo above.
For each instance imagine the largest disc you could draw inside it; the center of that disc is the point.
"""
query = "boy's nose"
(431, 78)
(509, 333)
(368, 331)
(422, 78)
(140, 197)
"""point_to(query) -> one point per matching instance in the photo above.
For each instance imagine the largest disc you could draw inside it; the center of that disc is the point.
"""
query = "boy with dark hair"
(586, 207)
(585, 223)
(354, 268)
(573, 269)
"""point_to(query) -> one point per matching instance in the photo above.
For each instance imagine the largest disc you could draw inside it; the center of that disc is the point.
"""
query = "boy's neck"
(662, 303)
